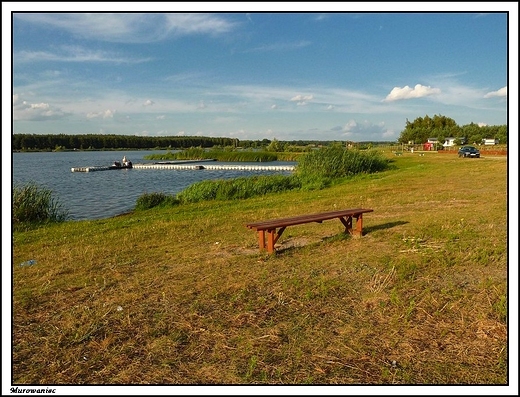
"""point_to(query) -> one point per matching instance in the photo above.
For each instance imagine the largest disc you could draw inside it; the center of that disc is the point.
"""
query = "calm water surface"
(103, 194)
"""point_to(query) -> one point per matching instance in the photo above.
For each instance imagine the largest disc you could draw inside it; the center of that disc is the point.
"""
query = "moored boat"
(116, 165)
(119, 165)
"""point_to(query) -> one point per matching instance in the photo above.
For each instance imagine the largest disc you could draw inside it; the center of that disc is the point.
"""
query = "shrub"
(33, 204)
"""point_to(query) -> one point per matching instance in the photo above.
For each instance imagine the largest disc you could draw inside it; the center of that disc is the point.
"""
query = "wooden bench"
(276, 227)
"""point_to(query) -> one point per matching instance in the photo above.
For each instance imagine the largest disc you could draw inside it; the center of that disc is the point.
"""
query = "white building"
(450, 141)
(490, 141)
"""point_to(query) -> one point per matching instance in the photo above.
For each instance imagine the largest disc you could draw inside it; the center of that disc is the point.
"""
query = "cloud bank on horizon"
(336, 76)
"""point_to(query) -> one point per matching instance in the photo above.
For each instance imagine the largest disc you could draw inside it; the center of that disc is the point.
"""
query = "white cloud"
(148, 102)
(23, 110)
(366, 131)
(419, 91)
(42, 105)
(130, 27)
(107, 114)
(162, 117)
(300, 98)
(184, 24)
(73, 54)
(499, 93)
(274, 107)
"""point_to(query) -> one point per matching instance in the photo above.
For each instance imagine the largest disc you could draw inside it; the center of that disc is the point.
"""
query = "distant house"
(490, 141)
(450, 141)
(432, 140)
(428, 146)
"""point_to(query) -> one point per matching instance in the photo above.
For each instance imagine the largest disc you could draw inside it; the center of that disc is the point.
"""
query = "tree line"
(27, 142)
(53, 142)
(442, 127)
(416, 132)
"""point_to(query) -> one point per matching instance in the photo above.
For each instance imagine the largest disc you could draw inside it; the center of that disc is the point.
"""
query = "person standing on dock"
(126, 162)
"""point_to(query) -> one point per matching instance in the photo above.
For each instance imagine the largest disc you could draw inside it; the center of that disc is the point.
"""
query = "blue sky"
(253, 75)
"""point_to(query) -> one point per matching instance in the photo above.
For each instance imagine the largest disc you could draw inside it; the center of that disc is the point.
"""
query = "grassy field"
(183, 295)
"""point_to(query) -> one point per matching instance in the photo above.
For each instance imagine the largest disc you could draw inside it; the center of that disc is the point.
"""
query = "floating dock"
(232, 167)
(172, 166)
(91, 169)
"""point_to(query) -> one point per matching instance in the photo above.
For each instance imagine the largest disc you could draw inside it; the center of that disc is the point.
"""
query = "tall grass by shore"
(182, 295)
(238, 188)
(315, 170)
(217, 154)
(33, 205)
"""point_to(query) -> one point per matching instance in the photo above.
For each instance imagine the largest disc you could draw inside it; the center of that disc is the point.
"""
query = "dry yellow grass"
(182, 295)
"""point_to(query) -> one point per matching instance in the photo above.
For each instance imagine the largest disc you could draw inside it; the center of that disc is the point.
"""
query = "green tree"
(438, 126)
(275, 146)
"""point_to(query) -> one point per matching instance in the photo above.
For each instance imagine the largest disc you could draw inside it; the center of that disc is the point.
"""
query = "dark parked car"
(469, 151)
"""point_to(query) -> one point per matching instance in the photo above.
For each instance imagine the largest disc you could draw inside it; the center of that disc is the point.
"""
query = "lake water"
(103, 194)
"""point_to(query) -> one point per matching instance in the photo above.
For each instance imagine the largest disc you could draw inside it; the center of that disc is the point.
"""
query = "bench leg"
(261, 239)
(272, 238)
(358, 232)
(359, 226)
(347, 222)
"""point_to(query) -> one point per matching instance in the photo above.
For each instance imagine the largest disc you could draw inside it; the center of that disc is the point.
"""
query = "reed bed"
(315, 170)
(33, 204)
(217, 154)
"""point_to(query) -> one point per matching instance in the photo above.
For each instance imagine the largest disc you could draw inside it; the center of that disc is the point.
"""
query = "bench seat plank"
(296, 220)
(270, 226)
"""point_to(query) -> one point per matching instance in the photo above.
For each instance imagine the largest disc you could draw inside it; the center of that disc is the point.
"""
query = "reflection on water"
(103, 194)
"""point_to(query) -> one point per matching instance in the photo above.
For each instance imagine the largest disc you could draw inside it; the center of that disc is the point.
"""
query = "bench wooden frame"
(276, 227)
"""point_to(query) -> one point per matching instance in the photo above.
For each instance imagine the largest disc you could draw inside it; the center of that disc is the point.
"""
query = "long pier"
(245, 167)
(91, 169)
(169, 166)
